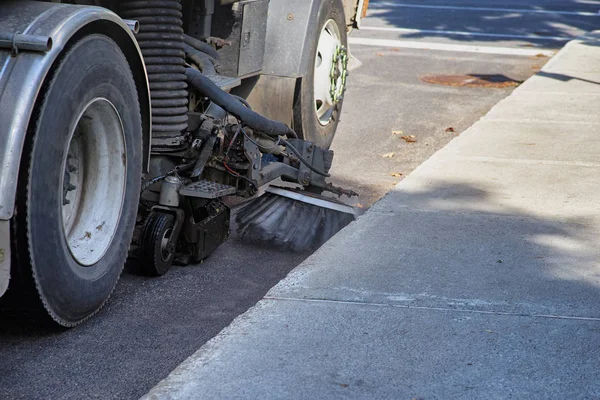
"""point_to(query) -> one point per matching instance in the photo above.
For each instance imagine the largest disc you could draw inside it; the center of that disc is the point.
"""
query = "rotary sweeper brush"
(292, 219)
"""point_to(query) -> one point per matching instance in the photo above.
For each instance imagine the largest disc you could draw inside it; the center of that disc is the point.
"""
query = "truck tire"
(79, 183)
(316, 113)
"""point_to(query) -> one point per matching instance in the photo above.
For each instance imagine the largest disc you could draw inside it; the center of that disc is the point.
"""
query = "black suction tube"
(233, 106)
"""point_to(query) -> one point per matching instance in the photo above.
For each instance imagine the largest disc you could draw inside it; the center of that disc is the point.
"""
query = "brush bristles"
(288, 224)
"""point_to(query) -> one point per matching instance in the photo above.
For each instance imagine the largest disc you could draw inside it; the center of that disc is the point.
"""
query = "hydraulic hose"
(201, 46)
(202, 60)
(233, 106)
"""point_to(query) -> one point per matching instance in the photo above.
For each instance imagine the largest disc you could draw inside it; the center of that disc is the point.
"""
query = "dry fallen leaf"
(379, 54)
(394, 49)
(388, 155)
(397, 133)
(397, 174)
(450, 129)
(541, 55)
(360, 205)
(409, 138)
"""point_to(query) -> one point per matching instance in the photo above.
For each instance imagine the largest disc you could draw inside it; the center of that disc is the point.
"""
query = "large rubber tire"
(52, 274)
(306, 121)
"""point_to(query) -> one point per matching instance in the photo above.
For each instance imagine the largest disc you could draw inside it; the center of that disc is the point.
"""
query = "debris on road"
(472, 80)
(388, 155)
(450, 129)
(409, 138)
(397, 133)
(397, 174)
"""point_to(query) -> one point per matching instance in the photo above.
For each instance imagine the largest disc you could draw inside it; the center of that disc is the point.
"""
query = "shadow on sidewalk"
(455, 245)
(563, 77)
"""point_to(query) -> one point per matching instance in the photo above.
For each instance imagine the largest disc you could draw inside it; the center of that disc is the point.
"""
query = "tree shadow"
(461, 246)
(563, 77)
(483, 24)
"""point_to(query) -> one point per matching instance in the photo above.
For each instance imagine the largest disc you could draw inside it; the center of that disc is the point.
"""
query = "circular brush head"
(288, 224)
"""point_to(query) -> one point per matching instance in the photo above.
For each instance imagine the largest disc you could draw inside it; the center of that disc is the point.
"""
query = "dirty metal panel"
(253, 36)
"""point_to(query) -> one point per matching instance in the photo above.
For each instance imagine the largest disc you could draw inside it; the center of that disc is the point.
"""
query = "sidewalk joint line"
(482, 213)
(537, 121)
(374, 304)
(528, 161)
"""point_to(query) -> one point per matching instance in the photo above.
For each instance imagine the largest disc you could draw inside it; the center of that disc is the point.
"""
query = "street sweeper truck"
(127, 126)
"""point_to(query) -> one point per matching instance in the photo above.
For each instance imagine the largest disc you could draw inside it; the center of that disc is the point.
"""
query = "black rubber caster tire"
(155, 259)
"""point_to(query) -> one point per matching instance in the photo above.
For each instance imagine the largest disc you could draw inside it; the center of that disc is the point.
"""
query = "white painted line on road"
(463, 33)
(374, 6)
(450, 47)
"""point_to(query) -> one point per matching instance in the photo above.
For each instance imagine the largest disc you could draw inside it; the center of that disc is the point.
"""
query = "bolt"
(290, 17)
(306, 178)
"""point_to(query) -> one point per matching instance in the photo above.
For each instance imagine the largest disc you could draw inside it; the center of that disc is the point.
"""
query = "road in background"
(151, 325)
(402, 42)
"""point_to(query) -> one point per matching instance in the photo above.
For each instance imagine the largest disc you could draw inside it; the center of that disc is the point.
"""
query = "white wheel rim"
(96, 166)
(329, 42)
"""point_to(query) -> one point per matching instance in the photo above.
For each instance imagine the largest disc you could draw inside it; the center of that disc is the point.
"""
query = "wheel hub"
(331, 69)
(93, 184)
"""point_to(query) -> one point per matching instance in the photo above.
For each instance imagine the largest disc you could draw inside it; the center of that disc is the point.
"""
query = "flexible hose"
(202, 60)
(233, 106)
(161, 41)
(202, 46)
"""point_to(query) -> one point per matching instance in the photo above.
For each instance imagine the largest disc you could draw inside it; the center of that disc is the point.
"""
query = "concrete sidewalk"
(478, 276)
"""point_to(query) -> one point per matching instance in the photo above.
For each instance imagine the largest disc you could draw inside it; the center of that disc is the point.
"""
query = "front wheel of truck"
(319, 94)
(79, 182)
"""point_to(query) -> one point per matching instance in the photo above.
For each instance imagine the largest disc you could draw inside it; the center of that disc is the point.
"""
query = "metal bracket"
(254, 155)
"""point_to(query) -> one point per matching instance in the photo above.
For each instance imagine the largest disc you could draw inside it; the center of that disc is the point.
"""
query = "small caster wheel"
(156, 253)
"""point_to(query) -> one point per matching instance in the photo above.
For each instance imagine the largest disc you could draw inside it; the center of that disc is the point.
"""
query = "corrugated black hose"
(161, 40)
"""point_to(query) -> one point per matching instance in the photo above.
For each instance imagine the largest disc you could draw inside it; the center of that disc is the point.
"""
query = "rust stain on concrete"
(472, 80)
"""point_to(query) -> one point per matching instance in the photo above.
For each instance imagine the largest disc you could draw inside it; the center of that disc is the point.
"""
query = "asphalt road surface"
(151, 325)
